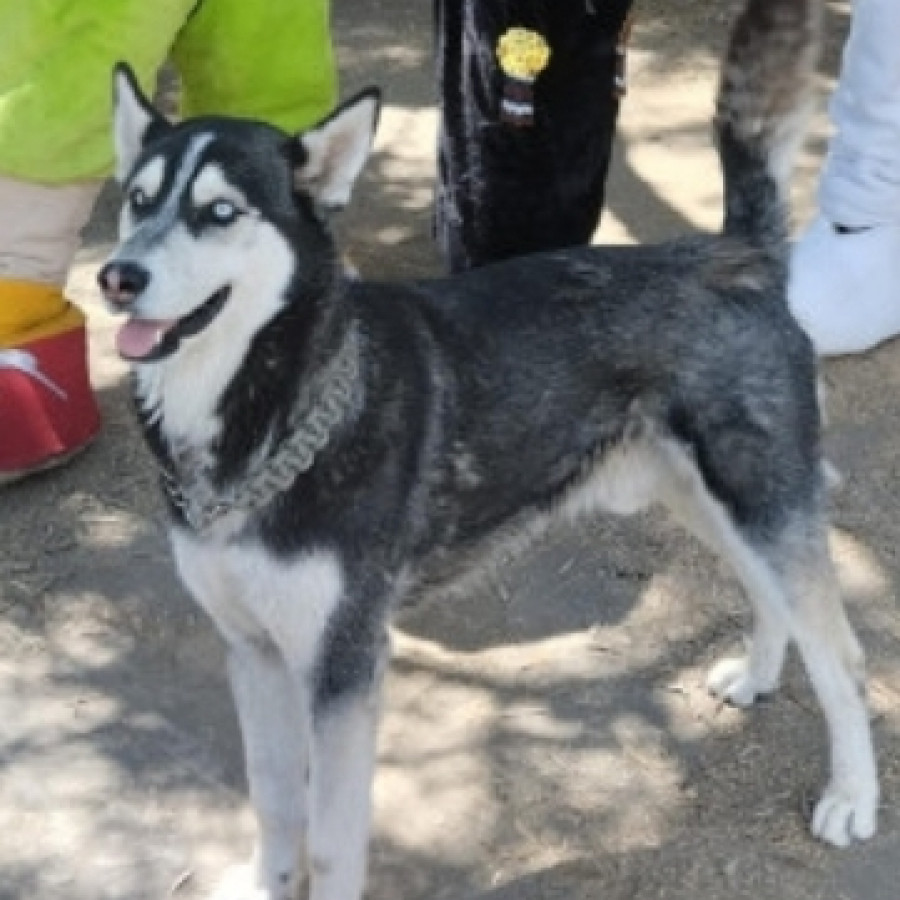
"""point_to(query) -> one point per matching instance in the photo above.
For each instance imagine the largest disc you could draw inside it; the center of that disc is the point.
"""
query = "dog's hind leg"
(741, 679)
(791, 583)
(834, 660)
(343, 765)
(801, 592)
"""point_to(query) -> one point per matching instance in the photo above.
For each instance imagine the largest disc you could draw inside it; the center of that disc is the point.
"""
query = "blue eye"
(138, 198)
(223, 212)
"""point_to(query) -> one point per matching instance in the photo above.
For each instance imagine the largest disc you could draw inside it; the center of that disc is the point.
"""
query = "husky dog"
(332, 446)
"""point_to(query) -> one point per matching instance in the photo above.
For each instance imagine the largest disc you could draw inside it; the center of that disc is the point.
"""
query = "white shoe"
(844, 286)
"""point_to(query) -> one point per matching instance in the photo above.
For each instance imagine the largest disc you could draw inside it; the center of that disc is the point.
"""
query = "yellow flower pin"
(523, 53)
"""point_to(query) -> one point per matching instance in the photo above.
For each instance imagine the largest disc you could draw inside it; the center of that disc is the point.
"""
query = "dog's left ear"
(134, 118)
(330, 155)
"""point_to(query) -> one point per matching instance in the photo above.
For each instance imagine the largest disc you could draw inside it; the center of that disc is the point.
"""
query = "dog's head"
(218, 215)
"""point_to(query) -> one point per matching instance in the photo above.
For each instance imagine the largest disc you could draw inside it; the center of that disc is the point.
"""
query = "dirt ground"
(548, 736)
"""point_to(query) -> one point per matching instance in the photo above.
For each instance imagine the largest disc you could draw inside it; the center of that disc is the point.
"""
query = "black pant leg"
(503, 189)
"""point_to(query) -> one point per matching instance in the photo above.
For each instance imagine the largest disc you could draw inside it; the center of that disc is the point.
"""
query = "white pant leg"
(860, 184)
(845, 270)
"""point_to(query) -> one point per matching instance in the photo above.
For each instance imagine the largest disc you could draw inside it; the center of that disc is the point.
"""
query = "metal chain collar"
(310, 426)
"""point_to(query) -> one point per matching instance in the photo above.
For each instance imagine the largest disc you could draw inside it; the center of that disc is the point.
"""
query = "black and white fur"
(486, 404)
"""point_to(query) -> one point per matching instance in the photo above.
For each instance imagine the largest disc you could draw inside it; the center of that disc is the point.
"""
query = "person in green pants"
(271, 60)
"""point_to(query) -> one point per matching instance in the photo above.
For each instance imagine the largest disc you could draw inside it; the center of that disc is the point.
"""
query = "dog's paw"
(734, 681)
(847, 811)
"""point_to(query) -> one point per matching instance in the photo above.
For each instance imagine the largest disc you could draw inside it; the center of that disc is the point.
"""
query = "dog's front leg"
(343, 760)
(274, 712)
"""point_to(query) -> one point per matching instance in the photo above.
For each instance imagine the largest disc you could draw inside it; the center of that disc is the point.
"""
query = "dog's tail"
(762, 110)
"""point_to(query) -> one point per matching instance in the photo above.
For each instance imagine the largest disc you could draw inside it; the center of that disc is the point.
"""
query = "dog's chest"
(253, 595)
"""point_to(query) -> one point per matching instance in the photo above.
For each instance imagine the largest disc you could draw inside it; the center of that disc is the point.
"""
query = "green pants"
(265, 59)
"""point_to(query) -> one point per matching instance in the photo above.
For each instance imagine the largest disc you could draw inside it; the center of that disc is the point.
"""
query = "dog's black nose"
(122, 282)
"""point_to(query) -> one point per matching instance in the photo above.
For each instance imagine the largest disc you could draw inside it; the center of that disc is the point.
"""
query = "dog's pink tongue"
(137, 337)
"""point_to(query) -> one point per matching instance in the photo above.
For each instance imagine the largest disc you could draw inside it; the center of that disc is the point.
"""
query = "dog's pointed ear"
(329, 156)
(133, 118)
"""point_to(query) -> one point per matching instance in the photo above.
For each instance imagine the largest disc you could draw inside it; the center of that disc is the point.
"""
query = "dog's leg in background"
(343, 763)
(741, 680)
(274, 714)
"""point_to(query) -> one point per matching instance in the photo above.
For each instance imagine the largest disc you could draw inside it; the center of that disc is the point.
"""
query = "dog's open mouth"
(150, 340)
